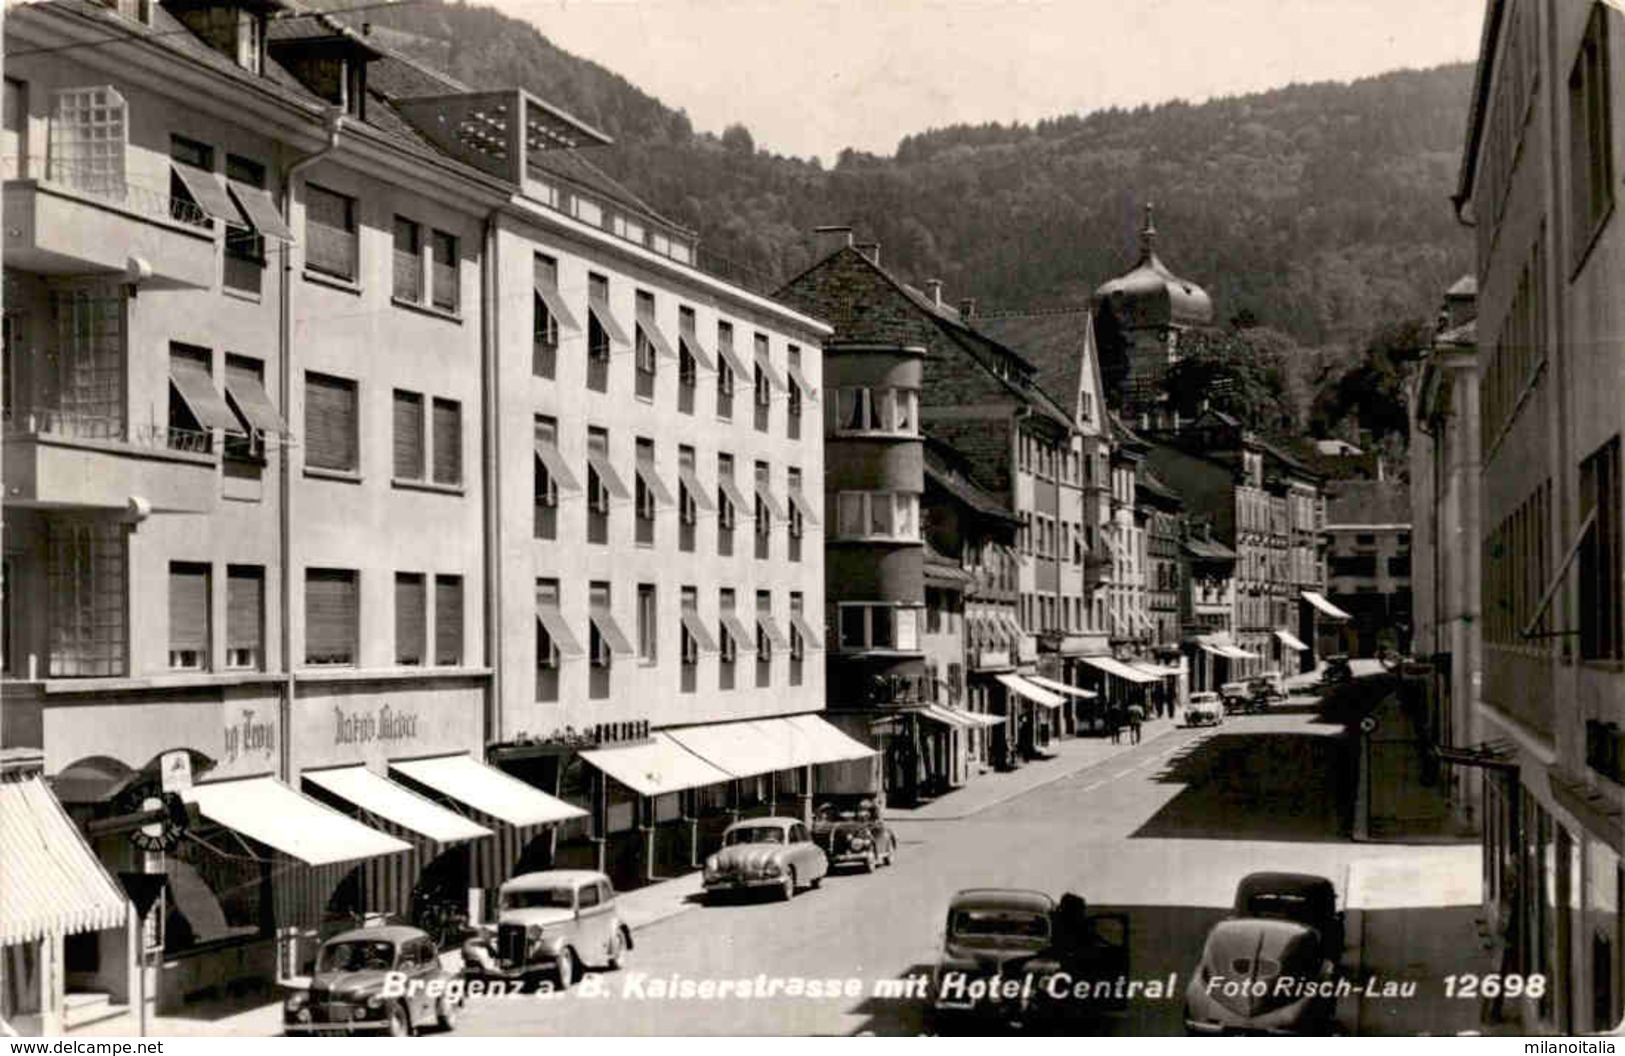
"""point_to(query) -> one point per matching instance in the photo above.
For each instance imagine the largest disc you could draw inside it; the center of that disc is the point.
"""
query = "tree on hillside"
(738, 140)
(1373, 393)
(1235, 371)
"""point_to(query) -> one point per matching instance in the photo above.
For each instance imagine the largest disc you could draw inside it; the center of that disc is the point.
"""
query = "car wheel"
(891, 852)
(565, 967)
(869, 862)
(789, 890)
(400, 1025)
(622, 943)
(445, 1013)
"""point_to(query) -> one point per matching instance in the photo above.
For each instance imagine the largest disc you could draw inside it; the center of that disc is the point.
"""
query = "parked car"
(558, 922)
(851, 831)
(1235, 696)
(346, 994)
(1013, 956)
(1271, 966)
(1337, 670)
(1205, 709)
(773, 853)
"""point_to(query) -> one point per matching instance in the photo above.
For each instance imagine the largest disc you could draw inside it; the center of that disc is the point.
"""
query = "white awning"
(1155, 670)
(1326, 608)
(745, 749)
(660, 766)
(828, 744)
(1291, 641)
(387, 801)
(487, 789)
(54, 883)
(977, 718)
(944, 716)
(1113, 666)
(266, 810)
(1022, 688)
(1062, 687)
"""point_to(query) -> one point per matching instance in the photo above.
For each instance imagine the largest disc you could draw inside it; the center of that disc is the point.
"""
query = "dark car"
(382, 980)
(852, 832)
(1271, 967)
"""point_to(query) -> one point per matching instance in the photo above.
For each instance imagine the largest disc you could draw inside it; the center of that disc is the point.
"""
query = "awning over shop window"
(264, 809)
(387, 801)
(1291, 641)
(1326, 608)
(745, 749)
(826, 743)
(1062, 687)
(658, 767)
(1027, 691)
(1113, 666)
(1222, 648)
(944, 717)
(487, 789)
(977, 718)
(1155, 670)
(52, 882)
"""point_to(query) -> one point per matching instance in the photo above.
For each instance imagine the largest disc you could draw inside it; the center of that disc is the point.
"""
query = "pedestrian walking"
(1136, 716)
(1114, 724)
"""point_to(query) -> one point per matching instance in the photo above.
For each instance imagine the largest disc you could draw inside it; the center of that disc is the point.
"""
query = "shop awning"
(487, 789)
(52, 881)
(387, 801)
(826, 742)
(745, 749)
(1225, 649)
(1113, 666)
(1062, 687)
(264, 809)
(1022, 688)
(943, 716)
(1318, 600)
(658, 767)
(735, 748)
(976, 718)
(1155, 670)
(1291, 641)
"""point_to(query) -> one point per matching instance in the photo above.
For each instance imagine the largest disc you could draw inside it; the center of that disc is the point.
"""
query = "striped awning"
(51, 881)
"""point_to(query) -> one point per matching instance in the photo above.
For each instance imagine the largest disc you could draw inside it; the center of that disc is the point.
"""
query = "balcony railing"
(79, 425)
(98, 183)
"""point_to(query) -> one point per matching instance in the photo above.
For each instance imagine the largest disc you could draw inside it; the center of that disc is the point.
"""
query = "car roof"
(393, 933)
(745, 823)
(553, 878)
(1002, 898)
(1284, 883)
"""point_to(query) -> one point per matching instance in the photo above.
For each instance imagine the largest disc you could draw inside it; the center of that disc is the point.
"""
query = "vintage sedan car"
(554, 922)
(1271, 967)
(777, 854)
(1204, 709)
(347, 995)
(1235, 696)
(852, 832)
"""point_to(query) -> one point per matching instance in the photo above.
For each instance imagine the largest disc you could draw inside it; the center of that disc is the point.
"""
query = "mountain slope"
(1319, 209)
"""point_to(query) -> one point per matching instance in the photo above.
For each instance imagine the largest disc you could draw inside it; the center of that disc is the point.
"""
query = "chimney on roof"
(870, 250)
(967, 307)
(831, 238)
(934, 288)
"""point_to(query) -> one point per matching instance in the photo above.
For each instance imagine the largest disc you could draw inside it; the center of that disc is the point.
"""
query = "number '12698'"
(1470, 986)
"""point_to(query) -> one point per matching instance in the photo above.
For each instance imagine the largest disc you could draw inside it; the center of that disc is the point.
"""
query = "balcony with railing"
(66, 219)
(57, 456)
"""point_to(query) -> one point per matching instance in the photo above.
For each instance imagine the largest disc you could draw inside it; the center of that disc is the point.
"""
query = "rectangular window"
(332, 616)
(188, 616)
(1600, 572)
(86, 580)
(725, 373)
(332, 438)
(878, 515)
(448, 621)
(408, 261)
(196, 408)
(411, 619)
(256, 415)
(245, 181)
(693, 632)
(648, 630)
(1591, 194)
(409, 446)
(89, 132)
(550, 476)
(646, 490)
(331, 245)
(444, 271)
(549, 315)
(688, 365)
(643, 345)
(245, 617)
(448, 442)
(728, 502)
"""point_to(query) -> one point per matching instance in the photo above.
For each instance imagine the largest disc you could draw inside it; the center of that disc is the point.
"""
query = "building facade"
(1539, 181)
(1368, 564)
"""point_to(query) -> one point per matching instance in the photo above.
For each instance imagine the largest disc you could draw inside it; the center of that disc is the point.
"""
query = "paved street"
(1162, 831)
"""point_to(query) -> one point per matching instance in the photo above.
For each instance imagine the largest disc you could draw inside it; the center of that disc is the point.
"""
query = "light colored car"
(347, 993)
(766, 853)
(1235, 696)
(1205, 709)
(558, 921)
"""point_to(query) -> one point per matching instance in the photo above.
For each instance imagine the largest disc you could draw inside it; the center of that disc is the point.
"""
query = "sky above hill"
(809, 77)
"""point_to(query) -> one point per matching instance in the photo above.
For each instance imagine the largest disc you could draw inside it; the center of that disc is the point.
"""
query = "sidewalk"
(992, 788)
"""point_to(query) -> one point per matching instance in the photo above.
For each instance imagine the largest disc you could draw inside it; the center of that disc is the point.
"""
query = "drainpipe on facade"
(334, 122)
(491, 438)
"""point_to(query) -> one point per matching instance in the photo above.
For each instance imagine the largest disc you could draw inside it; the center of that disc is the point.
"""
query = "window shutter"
(448, 442)
(189, 607)
(410, 613)
(330, 423)
(330, 616)
(448, 621)
(245, 608)
(408, 435)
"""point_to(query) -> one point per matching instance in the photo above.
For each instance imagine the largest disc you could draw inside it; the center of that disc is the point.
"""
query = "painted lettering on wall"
(365, 727)
(250, 734)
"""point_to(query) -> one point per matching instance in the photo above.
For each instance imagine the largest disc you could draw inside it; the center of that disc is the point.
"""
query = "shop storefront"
(1037, 712)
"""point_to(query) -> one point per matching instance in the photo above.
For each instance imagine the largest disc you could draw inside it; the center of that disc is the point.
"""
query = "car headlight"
(375, 1002)
(858, 843)
(297, 1000)
(770, 869)
(533, 932)
(711, 868)
(303, 1015)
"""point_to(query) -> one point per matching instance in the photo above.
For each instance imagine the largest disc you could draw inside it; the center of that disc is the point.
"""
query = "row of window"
(1515, 90)
(244, 416)
(1048, 612)
(553, 320)
(333, 618)
(1516, 556)
(1520, 350)
(427, 444)
(871, 410)
(1044, 536)
(1065, 465)
(424, 270)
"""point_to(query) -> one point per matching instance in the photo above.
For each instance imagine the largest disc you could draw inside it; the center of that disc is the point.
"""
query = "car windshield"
(1290, 905)
(754, 834)
(539, 898)
(358, 955)
(1000, 926)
